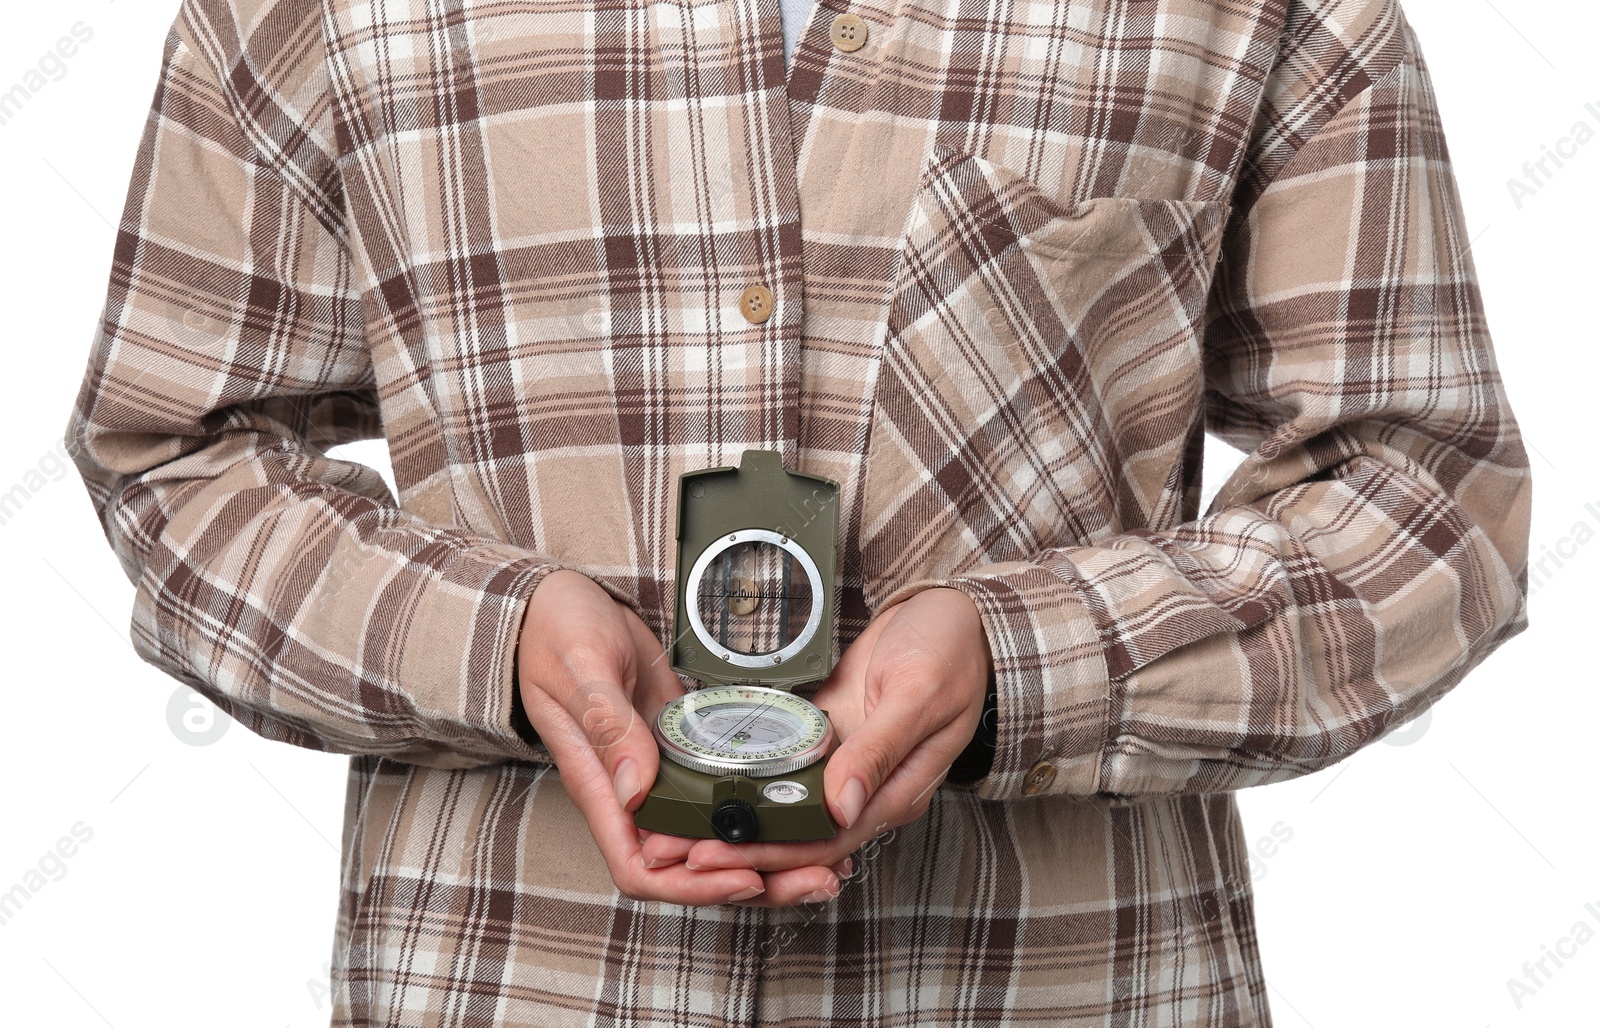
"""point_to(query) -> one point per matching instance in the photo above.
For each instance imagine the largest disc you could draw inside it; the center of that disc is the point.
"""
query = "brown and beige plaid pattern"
(1023, 256)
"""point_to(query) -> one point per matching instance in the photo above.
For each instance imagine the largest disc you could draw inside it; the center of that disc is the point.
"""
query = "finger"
(619, 736)
(914, 693)
(587, 659)
(768, 857)
(599, 705)
(863, 762)
(660, 848)
(585, 779)
(792, 888)
(675, 883)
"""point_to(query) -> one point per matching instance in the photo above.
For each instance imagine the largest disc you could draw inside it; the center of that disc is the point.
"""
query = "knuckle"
(907, 665)
(585, 661)
(630, 887)
(605, 719)
(877, 759)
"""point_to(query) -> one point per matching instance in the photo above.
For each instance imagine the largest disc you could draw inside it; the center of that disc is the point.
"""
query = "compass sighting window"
(754, 598)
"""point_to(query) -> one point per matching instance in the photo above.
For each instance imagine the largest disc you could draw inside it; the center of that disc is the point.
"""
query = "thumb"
(861, 764)
(620, 737)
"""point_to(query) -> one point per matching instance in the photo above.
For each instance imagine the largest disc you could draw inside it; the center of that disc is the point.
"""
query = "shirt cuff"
(462, 678)
(1053, 705)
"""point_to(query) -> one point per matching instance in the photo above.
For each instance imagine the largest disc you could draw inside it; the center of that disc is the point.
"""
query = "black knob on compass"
(734, 820)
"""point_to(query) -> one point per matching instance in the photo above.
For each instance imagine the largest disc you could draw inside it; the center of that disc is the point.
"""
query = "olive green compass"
(743, 757)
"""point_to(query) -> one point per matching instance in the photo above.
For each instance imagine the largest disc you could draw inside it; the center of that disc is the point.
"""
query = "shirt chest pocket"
(1040, 380)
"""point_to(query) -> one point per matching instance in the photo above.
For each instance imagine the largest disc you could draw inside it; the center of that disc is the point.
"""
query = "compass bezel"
(676, 745)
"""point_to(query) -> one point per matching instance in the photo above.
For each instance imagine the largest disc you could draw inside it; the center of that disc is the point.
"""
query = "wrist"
(519, 711)
(519, 716)
(983, 735)
(975, 761)
(546, 593)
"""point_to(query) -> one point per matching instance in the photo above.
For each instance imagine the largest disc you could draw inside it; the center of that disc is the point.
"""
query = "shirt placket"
(773, 297)
(764, 335)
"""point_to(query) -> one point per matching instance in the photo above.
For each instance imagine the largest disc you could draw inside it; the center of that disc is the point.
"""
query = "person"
(996, 271)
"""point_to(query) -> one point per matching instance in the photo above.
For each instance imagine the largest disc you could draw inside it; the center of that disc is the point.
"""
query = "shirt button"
(755, 303)
(1039, 778)
(848, 32)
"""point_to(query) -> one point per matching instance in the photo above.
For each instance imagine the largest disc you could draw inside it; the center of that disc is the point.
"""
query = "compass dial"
(746, 729)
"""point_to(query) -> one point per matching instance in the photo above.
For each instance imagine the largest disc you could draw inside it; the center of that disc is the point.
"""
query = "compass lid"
(757, 560)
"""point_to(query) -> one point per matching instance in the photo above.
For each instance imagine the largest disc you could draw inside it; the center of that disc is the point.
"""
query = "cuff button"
(1039, 778)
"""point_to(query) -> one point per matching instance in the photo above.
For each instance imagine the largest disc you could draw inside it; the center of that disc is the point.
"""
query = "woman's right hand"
(593, 677)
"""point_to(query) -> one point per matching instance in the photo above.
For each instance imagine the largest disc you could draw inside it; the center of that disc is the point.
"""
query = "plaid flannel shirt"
(1022, 257)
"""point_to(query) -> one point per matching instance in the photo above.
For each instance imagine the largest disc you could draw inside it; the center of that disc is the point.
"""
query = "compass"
(743, 757)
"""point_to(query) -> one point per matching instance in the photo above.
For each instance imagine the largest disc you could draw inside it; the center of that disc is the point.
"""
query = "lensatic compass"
(743, 757)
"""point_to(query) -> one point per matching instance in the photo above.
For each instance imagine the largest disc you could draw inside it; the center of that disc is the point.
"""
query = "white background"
(1416, 878)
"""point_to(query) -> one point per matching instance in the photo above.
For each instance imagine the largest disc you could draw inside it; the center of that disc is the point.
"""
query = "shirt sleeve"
(285, 585)
(1372, 547)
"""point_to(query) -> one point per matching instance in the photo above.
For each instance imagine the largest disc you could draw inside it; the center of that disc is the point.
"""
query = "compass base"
(682, 801)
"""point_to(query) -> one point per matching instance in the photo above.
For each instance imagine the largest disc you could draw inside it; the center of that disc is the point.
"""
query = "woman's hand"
(905, 698)
(592, 678)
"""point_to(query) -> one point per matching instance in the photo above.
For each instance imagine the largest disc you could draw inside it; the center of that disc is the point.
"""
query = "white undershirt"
(792, 14)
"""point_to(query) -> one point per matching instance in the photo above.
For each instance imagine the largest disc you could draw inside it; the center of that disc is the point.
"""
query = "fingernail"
(844, 867)
(824, 895)
(744, 894)
(692, 867)
(851, 800)
(651, 862)
(627, 782)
